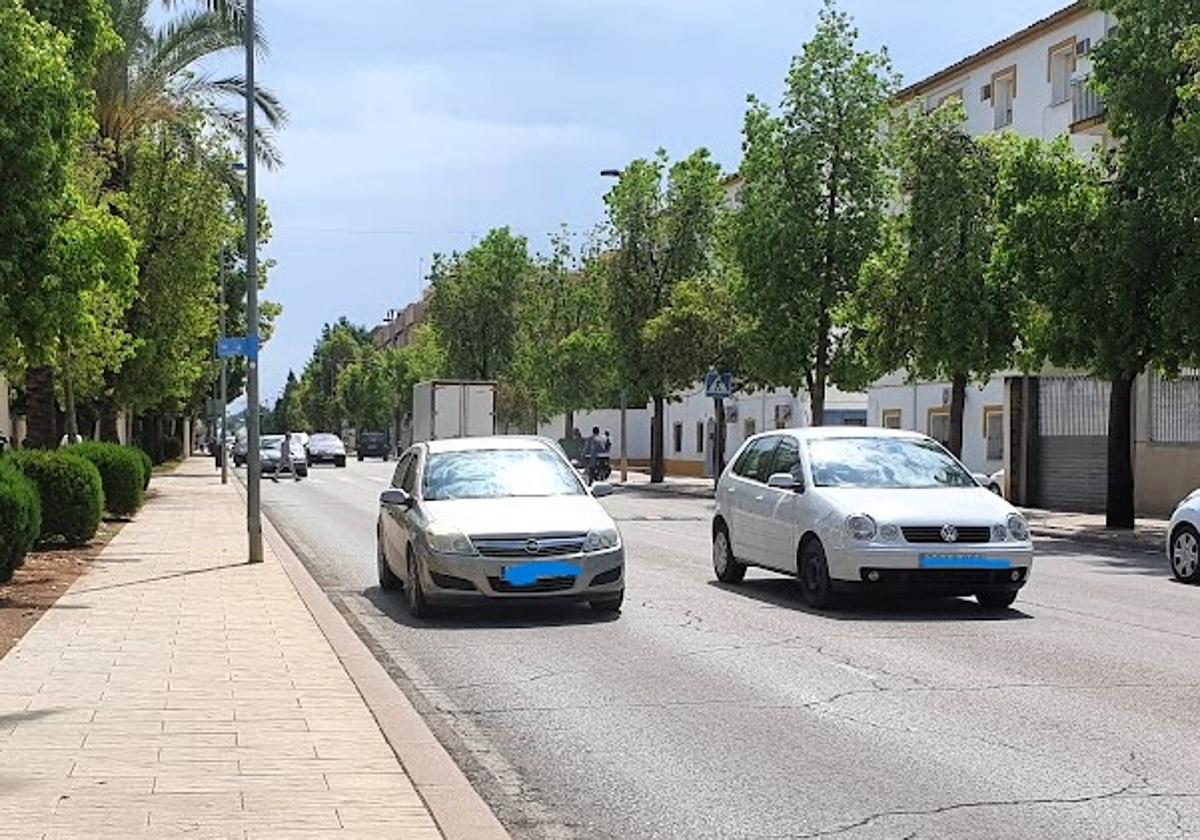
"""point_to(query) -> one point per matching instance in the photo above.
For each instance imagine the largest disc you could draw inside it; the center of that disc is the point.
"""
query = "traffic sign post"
(718, 386)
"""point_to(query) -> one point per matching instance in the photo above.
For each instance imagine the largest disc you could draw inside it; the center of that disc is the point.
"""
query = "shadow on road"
(1152, 563)
(852, 606)
(489, 615)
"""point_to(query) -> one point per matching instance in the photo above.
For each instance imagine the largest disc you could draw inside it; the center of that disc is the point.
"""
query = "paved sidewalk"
(175, 691)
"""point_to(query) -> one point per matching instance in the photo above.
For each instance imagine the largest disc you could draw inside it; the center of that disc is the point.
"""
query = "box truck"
(450, 409)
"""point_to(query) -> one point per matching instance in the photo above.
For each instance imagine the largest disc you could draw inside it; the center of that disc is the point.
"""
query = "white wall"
(914, 402)
(6, 425)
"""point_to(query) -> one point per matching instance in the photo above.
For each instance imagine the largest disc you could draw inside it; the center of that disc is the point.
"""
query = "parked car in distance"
(326, 448)
(373, 445)
(1183, 539)
(990, 482)
(879, 509)
(241, 449)
(501, 518)
(271, 456)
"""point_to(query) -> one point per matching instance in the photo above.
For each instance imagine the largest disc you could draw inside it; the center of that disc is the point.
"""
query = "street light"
(253, 467)
(616, 173)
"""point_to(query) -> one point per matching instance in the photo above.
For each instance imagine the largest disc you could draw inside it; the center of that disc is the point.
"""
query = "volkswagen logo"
(533, 547)
(949, 533)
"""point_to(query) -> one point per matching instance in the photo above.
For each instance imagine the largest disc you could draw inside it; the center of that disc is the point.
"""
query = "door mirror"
(601, 489)
(785, 481)
(395, 497)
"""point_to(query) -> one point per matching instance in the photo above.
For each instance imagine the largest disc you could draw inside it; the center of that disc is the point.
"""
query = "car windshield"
(498, 473)
(272, 442)
(325, 439)
(884, 462)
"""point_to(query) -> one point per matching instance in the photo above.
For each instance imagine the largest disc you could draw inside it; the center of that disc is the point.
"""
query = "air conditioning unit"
(1083, 46)
(985, 93)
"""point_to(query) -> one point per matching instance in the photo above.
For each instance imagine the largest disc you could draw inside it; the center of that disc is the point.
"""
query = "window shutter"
(985, 93)
(1083, 47)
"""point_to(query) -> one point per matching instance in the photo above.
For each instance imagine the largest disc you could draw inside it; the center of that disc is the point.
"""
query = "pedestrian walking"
(285, 459)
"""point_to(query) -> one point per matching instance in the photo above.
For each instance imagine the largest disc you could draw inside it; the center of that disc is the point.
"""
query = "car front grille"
(555, 545)
(560, 583)
(966, 580)
(933, 534)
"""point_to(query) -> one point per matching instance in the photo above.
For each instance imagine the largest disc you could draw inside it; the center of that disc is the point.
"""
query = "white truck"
(453, 409)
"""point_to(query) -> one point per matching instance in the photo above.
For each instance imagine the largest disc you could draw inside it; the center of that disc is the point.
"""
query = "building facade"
(399, 325)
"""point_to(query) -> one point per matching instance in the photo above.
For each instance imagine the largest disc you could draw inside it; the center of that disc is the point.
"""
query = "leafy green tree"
(930, 302)
(812, 204)
(421, 360)
(366, 392)
(473, 304)
(663, 233)
(287, 415)
(338, 346)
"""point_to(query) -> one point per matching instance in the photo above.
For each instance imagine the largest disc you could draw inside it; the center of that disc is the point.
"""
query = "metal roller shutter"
(1072, 464)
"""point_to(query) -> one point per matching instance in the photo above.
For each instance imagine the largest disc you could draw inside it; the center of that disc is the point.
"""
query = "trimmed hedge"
(147, 465)
(20, 518)
(71, 493)
(172, 449)
(121, 473)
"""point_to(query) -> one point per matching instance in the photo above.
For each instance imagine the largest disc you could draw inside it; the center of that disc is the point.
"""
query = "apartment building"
(398, 326)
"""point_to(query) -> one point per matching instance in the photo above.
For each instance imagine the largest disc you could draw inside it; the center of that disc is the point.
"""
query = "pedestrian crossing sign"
(718, 386)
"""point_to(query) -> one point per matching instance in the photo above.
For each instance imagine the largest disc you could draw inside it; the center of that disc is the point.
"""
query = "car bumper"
(936, 569)
(325, 457)
(452, 578)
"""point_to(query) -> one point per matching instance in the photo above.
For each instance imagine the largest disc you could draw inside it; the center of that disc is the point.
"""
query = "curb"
(1105, 540)
(455, 805)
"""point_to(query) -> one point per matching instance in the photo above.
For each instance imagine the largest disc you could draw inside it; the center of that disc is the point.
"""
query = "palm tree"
(157, 79)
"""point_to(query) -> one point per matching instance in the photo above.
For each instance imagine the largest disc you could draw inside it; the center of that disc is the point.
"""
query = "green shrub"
(20, 518)
(71, 493)
(172, 449)
(121, 473)
(147, 465)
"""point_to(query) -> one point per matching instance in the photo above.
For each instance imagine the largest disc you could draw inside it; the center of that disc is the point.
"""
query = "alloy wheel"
(1185, 555)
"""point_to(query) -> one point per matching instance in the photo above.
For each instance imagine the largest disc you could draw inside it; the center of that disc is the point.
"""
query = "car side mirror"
(395, 497)
(785, 481)
(601, 489)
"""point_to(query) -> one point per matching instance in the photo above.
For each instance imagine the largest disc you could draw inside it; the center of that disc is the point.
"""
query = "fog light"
(1015, 575)
(873, 576)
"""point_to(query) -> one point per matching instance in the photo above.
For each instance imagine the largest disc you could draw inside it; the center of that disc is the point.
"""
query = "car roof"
(843, 432)
(475, 444)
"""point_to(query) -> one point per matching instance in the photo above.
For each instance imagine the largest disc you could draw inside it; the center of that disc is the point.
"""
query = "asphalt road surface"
(711, 711)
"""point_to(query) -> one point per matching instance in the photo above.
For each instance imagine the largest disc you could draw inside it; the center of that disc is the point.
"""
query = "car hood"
(934, 506)
(520, 516)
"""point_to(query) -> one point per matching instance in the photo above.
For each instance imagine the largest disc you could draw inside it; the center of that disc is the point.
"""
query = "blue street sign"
(236, 345)
(719, 386)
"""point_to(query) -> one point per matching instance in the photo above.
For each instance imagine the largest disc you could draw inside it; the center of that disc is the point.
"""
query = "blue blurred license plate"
(527, 574)
(963, 561)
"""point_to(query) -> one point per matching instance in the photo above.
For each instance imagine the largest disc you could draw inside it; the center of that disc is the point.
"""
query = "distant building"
(399, 325)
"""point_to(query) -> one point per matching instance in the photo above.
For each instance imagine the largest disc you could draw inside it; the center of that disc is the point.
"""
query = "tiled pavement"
(175, 691)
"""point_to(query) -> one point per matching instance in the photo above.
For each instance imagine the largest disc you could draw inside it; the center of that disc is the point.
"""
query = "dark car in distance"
(373, 445)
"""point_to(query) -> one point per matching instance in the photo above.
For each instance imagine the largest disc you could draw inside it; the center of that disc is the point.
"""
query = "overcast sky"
(417, 127)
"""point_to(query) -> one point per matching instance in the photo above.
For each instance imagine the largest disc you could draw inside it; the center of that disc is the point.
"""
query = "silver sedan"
(499, 518)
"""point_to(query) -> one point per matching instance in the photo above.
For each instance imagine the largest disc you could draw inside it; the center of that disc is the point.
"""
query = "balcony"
(1088, 112)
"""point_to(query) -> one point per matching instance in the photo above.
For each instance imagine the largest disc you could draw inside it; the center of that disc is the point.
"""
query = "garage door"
(1072, 462)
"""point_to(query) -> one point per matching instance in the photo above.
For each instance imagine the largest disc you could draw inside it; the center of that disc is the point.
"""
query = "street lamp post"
(221, 448)
(616, 173)
(253, 467)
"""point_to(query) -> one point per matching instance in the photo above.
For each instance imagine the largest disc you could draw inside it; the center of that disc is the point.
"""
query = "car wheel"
(995, 600)
(339, 461)
(387, 578)
(418, 607)
(1185, 563)
(360, 457)
(726, 568)
(815, 585)
(608, 605)
(995, 488)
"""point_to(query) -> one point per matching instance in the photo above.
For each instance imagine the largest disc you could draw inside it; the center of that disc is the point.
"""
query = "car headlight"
(443, 539)
(999, 533)
(602, 540)
(859, 526)
(889, 533)
(1018, 528)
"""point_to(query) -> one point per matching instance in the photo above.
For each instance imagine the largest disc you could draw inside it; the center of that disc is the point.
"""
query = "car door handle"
(760, 498)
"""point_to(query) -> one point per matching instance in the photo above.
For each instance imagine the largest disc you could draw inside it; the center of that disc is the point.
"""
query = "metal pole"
(253, 469)
(624, 444)
(224, 386)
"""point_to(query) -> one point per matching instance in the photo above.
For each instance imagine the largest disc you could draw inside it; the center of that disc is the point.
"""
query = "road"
(711, 711)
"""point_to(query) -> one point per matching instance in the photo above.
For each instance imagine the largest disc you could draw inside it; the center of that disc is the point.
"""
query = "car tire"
(816, 587)
(340, 461)
(388, 581)
(608, 606)
(360, 457)
(725, 567)
(414, 593)
(1185, 564)
(996, 600)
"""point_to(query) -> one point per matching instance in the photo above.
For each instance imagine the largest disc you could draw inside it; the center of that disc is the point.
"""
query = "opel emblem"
(949, 533)
(533, 547)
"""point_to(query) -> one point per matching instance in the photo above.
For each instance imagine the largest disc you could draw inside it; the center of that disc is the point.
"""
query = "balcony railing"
(1086, 105)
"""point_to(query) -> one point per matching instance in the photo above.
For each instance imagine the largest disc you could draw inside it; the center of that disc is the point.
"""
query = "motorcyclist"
(593, 451)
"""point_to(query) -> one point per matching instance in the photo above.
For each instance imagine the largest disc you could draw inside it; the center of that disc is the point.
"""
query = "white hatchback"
(874, 508)
(1183, 539)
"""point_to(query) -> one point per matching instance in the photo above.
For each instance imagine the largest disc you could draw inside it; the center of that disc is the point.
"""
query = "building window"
(677, 437)
(892, 418)
(1004, 92)
(749, 428)
(700, 437)
(993, 431)
(1062, 65)
(939, 425)
(936, 102)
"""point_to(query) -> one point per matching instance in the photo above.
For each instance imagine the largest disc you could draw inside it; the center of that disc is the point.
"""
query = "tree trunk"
(107, 406)
(816, 396)
(568, 423)
(72, 417)
(42, 426)
(958, 401)
(657, 465)
(719, 439)
(1120, 454)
